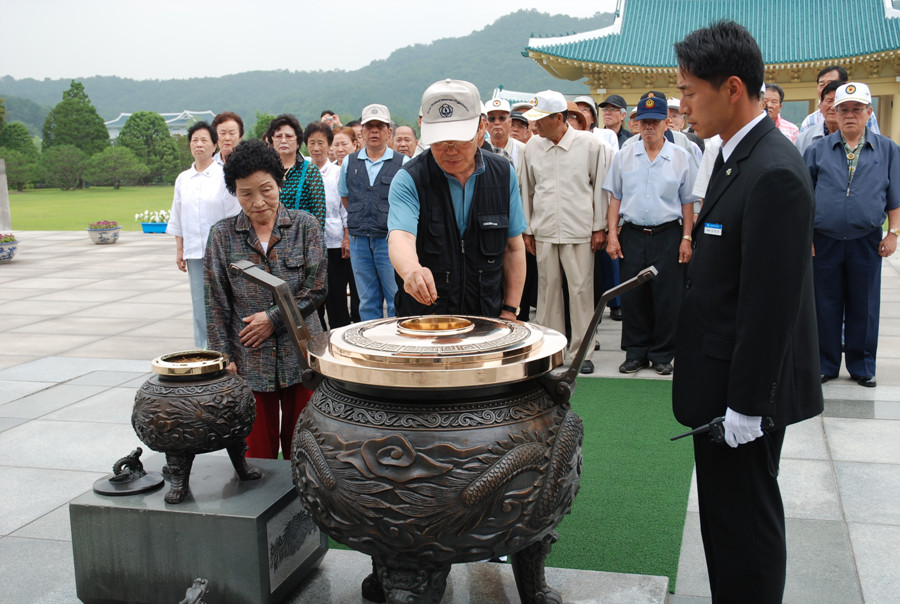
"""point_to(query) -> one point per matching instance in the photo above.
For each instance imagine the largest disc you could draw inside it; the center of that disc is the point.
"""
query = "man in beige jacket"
(561, 174)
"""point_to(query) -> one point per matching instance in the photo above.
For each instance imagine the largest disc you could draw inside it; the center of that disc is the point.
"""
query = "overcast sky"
(193, 38)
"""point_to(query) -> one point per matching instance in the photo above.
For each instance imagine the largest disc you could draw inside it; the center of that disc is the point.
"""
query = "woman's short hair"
(285, 119)
(226, 116)
(346, 131)
(320, 127)
(202, 126)
(250, 157)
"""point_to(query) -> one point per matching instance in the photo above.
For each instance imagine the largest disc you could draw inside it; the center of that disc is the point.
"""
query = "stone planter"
(154, 227)
(8, 251)
(104, 236)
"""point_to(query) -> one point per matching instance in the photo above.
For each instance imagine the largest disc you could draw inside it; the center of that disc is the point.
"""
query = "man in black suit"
(736, 356)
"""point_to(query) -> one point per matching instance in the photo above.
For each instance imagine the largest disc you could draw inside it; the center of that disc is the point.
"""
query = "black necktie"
(720, 159)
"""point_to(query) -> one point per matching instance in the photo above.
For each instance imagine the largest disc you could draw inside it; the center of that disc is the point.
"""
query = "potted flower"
(104, 231)
(153, 221)
(8, 245)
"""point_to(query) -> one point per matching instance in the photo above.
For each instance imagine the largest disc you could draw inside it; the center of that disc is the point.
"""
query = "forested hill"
(489, 57)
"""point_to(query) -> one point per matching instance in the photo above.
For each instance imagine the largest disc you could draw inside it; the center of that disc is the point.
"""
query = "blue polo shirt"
(850, 210)
(404, 200)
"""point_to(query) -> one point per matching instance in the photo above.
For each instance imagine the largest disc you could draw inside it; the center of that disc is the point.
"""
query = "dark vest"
(367, 205)
(468, 271)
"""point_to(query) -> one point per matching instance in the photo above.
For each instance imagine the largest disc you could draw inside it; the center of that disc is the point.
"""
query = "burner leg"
(244, 471)
(180, 476)
(420, 585)
(371, 585)
(528, 568)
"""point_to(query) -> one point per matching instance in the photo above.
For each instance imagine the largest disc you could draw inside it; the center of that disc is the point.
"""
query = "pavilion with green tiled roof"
(797, 40)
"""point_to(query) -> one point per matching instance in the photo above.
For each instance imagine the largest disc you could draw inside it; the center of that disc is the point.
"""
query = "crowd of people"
(767, 238)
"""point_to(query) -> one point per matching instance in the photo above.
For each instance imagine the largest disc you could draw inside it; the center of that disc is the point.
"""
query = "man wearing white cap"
(562, 173)
(363, 185)
(456, 218)
(499, 125)
(856, 175)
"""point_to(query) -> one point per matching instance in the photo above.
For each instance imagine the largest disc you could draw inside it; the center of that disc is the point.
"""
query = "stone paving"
(80, 323)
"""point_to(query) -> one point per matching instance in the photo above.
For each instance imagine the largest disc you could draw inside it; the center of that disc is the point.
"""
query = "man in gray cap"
(363, 185)
(456, 219)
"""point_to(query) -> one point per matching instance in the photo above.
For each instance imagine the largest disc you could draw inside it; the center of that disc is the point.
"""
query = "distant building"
(178, 123)
(635, 53)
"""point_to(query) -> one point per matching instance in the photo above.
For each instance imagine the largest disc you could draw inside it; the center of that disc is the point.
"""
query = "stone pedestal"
(251, 540)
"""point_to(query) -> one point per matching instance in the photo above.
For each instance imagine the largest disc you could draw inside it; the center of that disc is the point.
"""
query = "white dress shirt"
(335, 212)
(199, 202)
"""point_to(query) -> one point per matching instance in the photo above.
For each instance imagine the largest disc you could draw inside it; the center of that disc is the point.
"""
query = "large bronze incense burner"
(436, 440)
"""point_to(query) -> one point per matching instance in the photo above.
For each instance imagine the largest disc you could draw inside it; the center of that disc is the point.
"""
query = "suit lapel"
(731, 169)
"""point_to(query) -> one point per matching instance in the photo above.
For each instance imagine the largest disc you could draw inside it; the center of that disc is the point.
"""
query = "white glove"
(741, 429)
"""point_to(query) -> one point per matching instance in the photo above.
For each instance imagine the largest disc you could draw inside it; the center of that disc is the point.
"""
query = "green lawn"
(56, 210)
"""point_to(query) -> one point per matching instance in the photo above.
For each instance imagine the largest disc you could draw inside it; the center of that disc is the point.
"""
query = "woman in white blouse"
(199, 202)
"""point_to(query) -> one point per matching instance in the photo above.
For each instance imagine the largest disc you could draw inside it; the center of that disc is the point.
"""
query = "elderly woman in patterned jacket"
(243, 321)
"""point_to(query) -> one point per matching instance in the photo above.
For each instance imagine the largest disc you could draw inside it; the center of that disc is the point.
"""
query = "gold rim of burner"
(167, 365)
(435, 325)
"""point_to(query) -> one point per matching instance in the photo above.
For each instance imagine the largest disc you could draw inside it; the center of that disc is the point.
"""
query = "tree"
(2, 115)
(147, 134)
(185, 159)
(20, 168)
(115, 166)
(15, 136)
(74, 121)
(64, 166)
(262, 124)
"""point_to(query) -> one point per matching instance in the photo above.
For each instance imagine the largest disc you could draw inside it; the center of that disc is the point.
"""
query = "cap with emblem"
(546, 102)
(652, 108)
(653, 94)
(497, 104)
(673, 103)
(376, 112)
(451, 111)
(853, 91)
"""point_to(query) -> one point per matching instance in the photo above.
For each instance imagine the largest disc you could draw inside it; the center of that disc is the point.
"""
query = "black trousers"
(650, 311)
(340, 274)
(742, 519)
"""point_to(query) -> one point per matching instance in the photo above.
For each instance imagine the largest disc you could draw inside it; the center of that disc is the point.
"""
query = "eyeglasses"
(445, 146)
(497, 118)
(611, 109)
(844, 110)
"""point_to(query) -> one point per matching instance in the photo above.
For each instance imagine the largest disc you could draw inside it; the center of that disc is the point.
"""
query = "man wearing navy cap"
(650, 193)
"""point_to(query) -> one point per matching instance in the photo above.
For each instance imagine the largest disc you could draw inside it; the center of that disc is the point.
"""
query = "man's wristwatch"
(895, 232)
(513, 309)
